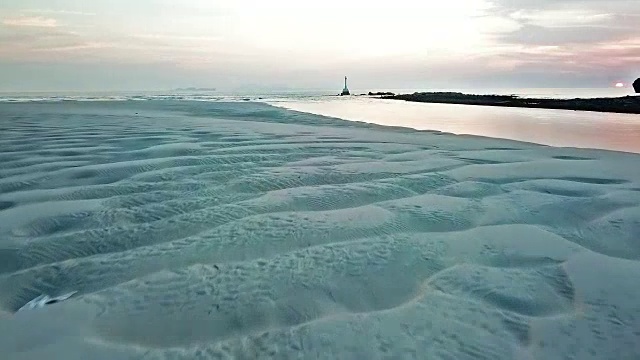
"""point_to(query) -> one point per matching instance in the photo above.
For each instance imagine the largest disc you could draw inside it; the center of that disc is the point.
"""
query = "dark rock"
(627, 104)
(636, 86)
(381, 93)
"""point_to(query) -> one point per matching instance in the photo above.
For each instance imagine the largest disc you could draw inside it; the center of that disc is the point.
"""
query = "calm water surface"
(565, 128)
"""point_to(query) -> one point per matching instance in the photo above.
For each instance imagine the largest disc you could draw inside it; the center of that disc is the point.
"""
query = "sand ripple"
(213, 230)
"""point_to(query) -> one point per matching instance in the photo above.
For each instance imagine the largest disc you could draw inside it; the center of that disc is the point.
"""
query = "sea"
(561, 128)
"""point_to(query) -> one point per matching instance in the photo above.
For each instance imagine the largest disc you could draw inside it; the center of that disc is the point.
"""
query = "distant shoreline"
(195, 89)
(626, 104)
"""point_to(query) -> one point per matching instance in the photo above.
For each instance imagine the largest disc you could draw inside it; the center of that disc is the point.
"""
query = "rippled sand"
(239, 230)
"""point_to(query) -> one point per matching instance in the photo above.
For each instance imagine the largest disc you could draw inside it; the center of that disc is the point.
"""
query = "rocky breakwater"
(626, 104)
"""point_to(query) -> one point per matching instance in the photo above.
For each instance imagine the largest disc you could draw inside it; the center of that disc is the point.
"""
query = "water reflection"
(564, 128)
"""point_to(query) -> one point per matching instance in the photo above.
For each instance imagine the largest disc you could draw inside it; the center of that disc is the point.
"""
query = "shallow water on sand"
(239, 230)
(620, 132)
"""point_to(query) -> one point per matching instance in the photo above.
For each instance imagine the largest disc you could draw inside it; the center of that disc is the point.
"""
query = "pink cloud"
(30, 21)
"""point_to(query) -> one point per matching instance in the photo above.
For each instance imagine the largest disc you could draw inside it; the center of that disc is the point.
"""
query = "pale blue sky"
(163, 44)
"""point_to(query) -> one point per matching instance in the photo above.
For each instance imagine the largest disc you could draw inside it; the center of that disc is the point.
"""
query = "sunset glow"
(619, 85)
(154, 44)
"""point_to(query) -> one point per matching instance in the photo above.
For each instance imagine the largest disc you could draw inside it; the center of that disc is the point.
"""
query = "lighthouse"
(345, 91)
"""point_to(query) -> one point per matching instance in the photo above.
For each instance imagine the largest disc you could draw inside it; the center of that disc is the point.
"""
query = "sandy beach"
(203, 230)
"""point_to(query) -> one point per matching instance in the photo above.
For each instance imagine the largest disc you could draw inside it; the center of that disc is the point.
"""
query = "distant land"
(626, 104)
(195, 89)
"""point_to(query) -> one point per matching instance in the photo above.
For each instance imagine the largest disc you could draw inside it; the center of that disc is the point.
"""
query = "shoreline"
(624, 105)
(549, 127)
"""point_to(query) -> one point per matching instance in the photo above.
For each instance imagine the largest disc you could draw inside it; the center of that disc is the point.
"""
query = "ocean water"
(312, 94)
(618, 132)
(209, 230)
(564, 128)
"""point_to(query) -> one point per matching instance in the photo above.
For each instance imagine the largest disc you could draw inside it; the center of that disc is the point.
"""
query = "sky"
(110, 45)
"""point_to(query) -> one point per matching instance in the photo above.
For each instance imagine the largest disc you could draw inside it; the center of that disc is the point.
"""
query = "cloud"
(74, 47)
(27, 38)
(539, 35)
(59, 12)
(573, 21)
(171, 37)
(608, 5)
(560, 18)
(611, 59)
(586, 38)
(30, 21)
(403, 43)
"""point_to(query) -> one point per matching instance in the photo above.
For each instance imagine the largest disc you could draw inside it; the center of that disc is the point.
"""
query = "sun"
(619, 85)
